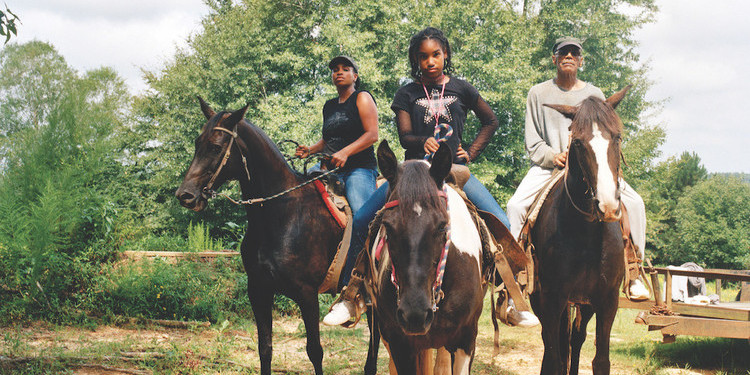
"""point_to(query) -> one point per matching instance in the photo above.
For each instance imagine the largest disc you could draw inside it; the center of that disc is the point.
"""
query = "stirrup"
(352, 294)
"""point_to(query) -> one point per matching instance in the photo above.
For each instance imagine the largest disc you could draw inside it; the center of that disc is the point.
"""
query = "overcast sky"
(698, 53)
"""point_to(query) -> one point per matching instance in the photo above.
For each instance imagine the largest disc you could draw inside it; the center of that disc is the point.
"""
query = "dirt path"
(155, 350)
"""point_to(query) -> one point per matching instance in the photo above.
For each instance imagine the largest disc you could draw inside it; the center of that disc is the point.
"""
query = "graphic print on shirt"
(334, 127)
(435, 107)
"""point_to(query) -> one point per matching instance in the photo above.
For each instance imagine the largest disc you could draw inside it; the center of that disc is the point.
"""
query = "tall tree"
(667, 185)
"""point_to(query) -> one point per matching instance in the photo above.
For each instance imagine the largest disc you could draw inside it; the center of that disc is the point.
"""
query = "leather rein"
(437, 292)
(212, 193)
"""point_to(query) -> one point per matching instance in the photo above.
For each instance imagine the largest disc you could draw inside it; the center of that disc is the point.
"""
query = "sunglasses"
(572, 50)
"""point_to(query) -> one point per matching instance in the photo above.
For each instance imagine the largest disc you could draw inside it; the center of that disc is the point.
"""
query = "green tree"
(59, 182)
(713, 221)
(669, 182)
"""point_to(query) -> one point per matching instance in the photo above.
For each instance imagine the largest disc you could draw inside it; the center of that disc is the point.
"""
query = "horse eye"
(216, 148)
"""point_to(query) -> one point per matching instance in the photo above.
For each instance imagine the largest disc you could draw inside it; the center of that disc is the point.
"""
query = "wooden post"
(668, 291)
(656, 288)
(718, 288)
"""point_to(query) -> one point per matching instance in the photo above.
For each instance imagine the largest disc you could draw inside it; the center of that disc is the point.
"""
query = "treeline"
(87, 170)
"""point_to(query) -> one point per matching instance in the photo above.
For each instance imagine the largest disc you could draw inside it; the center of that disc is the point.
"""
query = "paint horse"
(428, 285)
(290, 240)
(578, 241)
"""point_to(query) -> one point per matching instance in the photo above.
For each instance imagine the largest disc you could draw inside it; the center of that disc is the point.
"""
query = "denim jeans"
(475, 191)
(360, 184)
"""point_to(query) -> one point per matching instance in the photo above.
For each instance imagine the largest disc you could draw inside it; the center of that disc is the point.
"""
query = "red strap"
(327, 200)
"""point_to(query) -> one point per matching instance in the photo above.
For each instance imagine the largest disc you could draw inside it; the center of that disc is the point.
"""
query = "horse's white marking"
(605, 181)
(464, 234)
(418, 209)
(461, 362)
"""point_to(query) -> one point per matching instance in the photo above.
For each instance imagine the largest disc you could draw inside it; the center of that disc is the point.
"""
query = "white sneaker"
(340, 313)
(520, 318)
(638, 291)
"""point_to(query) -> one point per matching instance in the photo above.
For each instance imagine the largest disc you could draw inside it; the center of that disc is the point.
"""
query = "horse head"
(594, 155)
(415, 226)
(209, 170)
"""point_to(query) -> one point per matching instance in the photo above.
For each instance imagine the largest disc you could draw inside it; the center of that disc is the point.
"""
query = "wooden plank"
(712, 311)
(733, 275)
(730, 311)
(684, 325)
(172, 256)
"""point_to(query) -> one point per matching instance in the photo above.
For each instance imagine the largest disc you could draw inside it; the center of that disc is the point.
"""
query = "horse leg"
(462, 362)
(371, 365)
(308, 305)
(391, 364)
(261, 300)
(425, 363)
(443, 362)
(565, 338)
(550, 315)
(585, 312)
(403, 357)
(605, 316)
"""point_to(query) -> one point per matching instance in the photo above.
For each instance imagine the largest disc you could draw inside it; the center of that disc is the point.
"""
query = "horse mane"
(595, 110)
(417, 186)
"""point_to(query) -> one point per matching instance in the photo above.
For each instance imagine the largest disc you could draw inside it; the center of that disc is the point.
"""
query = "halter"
(212, 193)
(437, 292)
(208, 188)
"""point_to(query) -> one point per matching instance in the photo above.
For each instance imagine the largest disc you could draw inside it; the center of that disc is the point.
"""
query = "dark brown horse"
(578, 241)
(414, 310)
(290, 240)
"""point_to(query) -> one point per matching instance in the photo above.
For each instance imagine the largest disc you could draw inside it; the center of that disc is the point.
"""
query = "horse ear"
(207, 111)
(235, 117)
(615, 99)
(568, 111)
(387, 162)
(442, 162)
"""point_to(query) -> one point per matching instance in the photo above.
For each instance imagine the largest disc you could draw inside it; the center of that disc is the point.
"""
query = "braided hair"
(416, 42)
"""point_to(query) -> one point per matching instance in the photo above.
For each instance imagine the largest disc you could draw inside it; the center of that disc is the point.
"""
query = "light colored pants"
(535, 180)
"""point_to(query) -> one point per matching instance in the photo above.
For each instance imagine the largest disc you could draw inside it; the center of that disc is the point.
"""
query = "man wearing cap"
(547, 133)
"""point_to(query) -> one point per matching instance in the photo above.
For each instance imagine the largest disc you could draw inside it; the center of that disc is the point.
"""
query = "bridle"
(210, 193)
(437, 292)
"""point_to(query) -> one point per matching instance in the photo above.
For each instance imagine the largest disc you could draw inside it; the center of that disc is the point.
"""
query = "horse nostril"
(429, 317)
(186, 197)
(401, 317)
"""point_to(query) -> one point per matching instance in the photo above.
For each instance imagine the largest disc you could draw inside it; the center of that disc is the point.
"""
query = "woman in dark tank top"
(350, 128)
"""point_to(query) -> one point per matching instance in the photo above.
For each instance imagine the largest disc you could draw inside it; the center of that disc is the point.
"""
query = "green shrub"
(154, 289)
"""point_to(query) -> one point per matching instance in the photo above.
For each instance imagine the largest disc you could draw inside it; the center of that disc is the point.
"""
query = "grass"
(230, 347)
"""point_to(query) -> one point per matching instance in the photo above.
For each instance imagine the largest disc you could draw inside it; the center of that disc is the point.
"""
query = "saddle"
(332, 192)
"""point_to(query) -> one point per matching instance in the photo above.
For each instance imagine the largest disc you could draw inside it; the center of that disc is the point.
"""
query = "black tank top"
(341, 127)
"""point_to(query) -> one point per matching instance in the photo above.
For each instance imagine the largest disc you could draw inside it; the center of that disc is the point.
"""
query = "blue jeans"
(475, 191)
(360, 184)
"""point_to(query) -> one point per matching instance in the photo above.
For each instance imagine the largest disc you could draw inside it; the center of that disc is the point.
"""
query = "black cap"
(566, 41)
(346, 60)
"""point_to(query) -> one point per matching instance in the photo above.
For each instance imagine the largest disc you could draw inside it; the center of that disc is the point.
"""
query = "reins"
(212, 193)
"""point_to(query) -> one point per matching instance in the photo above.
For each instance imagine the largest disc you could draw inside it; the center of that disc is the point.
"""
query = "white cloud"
(127, 36)
(698, 56)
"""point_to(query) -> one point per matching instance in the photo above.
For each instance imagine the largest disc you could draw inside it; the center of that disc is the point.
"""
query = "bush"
(154, 289)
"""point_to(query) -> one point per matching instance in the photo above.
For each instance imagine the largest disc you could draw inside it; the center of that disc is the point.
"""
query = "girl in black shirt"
(350, 128)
